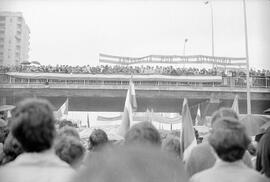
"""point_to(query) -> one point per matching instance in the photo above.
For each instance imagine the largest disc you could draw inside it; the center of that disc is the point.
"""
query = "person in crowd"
(3, 115)
(4, 131)
(70, 150)
(68, 131)
(263, 153)
(143, 133)
(229, 141)
(202, 156)
(97, 140)
(33, 125)
(64, 123)
(11, 150)
(132, 163)
(171, 144)
(252, 150)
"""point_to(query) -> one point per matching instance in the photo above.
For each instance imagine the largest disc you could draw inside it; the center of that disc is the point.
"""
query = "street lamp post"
(247, 58)
(212, 25)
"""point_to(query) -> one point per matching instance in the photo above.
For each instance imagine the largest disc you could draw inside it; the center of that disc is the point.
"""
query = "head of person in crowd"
(11, 150)
(68, 131)
(143, 133)
(3, 115)
(64, 123)
(69, 149)
(33, 125)
(97, 140)
(252, 149)
(171, 144)
(132, 163)
(223, 112)
(263, 155)
(229, 139)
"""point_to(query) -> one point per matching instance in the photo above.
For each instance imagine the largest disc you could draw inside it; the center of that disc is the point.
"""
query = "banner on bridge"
(239, 62)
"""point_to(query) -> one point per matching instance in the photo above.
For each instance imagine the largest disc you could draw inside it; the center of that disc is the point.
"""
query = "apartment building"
(14, 38)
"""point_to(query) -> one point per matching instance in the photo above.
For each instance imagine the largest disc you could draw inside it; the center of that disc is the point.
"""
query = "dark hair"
(223, 112)
(172, 145)
(97, 139)
(69, 149)
(64, 123)
(263, 153)
(68, 131)
(4, 130)
(11, 149)
(143, 133)
(34, 125)
(229, 139)
(252, 149)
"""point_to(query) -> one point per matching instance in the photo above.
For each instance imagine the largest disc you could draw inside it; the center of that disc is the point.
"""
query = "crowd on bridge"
(120, 69)
(35, 148)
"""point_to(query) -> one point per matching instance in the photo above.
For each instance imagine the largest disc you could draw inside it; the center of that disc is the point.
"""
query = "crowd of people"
(35, 148)
(119, 69)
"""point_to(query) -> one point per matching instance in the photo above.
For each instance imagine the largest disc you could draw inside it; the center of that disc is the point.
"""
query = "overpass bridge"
(107, 93)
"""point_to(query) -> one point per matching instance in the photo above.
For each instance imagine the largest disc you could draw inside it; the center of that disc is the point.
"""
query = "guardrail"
(239, 82)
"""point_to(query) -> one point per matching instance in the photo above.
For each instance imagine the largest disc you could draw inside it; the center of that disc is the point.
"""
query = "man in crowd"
(33, 126)
(202, 156)
(229, 141)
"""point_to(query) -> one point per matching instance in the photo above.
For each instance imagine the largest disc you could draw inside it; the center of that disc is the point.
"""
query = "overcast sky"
(75, 32)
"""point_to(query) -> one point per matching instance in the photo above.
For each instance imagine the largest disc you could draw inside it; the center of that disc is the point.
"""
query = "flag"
(129, 108)
(188, 139)
(198, 116)
(88, 121)
(9, 114)
(62, 111)
(148, 115)
(235, 105)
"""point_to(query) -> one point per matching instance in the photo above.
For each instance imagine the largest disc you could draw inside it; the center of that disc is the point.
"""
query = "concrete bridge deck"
(111, 97)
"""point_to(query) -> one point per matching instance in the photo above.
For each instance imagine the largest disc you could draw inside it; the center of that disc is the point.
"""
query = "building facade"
(14, 38)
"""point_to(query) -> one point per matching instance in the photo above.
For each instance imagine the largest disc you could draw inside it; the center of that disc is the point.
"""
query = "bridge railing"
(228, 81)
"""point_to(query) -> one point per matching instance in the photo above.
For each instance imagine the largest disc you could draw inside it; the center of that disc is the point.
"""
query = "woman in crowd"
(33, 126)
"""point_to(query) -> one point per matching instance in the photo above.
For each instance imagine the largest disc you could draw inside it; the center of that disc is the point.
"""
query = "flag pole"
(247, 58)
